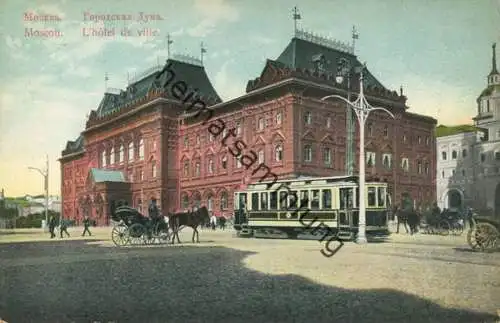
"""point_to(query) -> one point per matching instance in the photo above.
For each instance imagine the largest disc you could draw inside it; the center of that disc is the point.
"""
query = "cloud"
(212, 12)
(259, 39)
(449, 104)
(16, 48)
(37, 116)
(226, 84)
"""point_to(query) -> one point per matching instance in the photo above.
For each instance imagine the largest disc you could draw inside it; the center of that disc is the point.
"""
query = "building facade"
(468, 171)
(158, 139)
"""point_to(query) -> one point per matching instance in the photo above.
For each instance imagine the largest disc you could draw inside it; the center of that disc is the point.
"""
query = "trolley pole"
(45, 174)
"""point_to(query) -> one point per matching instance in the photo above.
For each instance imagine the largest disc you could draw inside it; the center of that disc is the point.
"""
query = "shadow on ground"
(196, 284)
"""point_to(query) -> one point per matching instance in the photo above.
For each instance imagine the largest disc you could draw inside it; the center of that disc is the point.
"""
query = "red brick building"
(140, 143)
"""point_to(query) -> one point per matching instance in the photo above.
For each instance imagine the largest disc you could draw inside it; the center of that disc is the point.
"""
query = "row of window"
(315, 199)
(111, 157)
(209, 203)
(278, 157)
(153, 172)
(454, 155)
(369, 129)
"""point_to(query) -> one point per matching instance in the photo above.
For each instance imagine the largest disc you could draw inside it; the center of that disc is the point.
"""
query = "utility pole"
(203, 51)
(169, 42)
(45, 174)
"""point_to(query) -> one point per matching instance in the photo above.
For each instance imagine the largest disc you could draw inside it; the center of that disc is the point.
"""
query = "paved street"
(227, 279)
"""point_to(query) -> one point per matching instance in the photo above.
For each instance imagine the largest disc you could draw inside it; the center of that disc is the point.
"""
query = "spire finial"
(296, 16)
(106, 79)
(401, 90)
(355, 36)
(169, 42)
(494, 59)
(203, 50)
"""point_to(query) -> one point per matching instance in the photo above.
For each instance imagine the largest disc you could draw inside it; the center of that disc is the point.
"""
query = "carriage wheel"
(120, 235)
(471, 238)
(137, 233)
(444, 228)
(486, 236)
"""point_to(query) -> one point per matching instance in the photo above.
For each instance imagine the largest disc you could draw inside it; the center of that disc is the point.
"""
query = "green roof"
(301, 54)
(442, 131)
(102, 175)
(489, 91)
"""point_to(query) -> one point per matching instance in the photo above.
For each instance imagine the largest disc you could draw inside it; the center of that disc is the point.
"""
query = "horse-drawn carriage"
(133, 228)
(484, 233)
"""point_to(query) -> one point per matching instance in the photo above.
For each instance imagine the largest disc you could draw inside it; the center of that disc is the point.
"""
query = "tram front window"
(315, 200)
(346, 198)
(243, 201)
(304, 199)
(381, 196)
(263, 201)
(273, 201)
(372, 196)
(327, 199)
(293, 200)
(283, 200)
(255, 201)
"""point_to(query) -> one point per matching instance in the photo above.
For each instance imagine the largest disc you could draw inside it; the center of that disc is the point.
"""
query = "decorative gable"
(308, 135)
(327, 140)
(371, 146)
(259, 141)
(277, 136)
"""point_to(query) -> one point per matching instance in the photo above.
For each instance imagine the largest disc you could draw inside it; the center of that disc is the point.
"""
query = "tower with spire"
(488, 102)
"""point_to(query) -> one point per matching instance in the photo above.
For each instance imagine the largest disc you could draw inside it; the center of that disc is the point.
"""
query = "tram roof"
(309, 180)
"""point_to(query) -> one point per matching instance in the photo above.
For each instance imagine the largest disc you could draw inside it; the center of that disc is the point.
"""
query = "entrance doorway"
(454, 199)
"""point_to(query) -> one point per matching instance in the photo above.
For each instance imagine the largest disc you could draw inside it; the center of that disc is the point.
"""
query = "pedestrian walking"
(64, 228)
(86, 225)
(213, 221)
(52, 226)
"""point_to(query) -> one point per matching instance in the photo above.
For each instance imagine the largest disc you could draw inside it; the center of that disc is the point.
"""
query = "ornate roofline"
(324, 41)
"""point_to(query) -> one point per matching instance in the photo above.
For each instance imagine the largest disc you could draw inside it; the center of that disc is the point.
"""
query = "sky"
(439, 51)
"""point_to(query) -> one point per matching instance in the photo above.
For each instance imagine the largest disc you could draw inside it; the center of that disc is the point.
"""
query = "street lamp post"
(344, 70)
(45, 174)
(362, 109)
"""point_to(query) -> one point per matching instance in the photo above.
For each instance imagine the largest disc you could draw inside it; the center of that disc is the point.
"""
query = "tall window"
(454, 154)
(419, 139)
(223, 201)
(141, 175)
(224, 133)
(371, 159)
(427, 141)
(307, 153)
(464, 153)
(426, 168)
(186, 168)
(387, 160)
(405, 164)
(198, 140)
(210, 203)
(210, 166)
(261, 157)
(370, 129)
(153, 169)
(278, 153)
(483, 158)
(328, 122)
(261, 124)
(327, 156)
(141, 149)
(419, 167)
(121, 154)
(197, 170)
(130, 151)
(103, 158)
(238, 128)
(308, 117)
(112, 156)
(386, 131)
(224, 162)
(443, 155)
(279, 118)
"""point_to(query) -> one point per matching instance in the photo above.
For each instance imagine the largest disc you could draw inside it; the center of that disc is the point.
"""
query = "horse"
(189, 219)
(409, 219)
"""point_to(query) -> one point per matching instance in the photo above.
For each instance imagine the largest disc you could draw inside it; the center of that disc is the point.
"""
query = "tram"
(298, 207)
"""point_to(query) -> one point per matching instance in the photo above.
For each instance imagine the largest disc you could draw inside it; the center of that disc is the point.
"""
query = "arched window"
(261, 123)
(308, 117)
(443, 155)
(210, 202)
(238, 128)
(223, 201)
(464, 153)
(153, 169)
(210, 166)
(224, 162)
(327, 156)
(131, 151)
(386, 131)
(197, 200)
(454, 154)
(261, 157)
(197, 170)
(141, 149)
(279, 118)
(112, 156)
(186, 168)
(121, 154)
(278, 152)
(185, 201)
(307, 153)
(103, 158)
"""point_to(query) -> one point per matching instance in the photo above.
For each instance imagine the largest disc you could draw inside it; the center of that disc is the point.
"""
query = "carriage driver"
(154, 213)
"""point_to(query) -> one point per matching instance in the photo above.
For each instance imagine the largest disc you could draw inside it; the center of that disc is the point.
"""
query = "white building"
(455, 153)
(468, 165)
